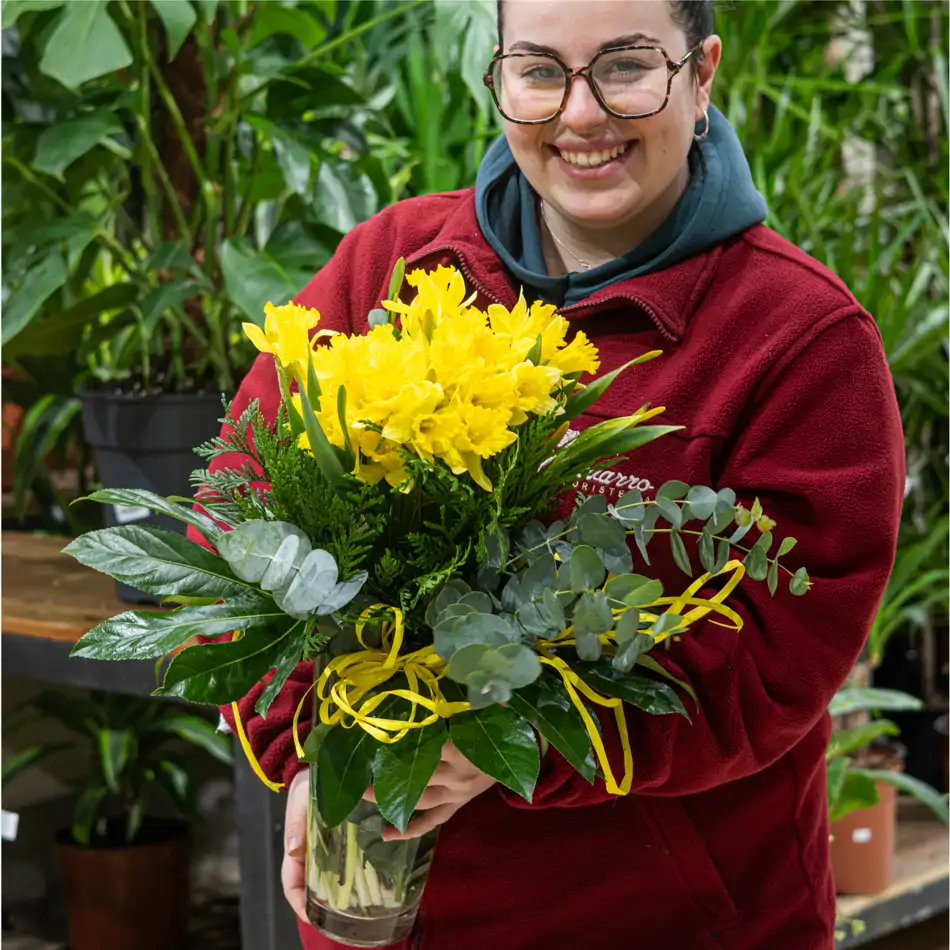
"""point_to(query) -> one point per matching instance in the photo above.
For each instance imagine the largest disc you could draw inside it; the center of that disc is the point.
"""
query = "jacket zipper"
(473, 282)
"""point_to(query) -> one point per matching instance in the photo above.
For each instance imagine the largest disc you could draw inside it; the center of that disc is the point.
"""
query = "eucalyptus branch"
(715, 537)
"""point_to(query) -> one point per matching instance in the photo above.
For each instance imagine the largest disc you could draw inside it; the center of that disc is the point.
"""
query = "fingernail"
(293, 843)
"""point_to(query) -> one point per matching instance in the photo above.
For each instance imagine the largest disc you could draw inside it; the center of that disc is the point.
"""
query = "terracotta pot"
(129, 895)
(862, 846)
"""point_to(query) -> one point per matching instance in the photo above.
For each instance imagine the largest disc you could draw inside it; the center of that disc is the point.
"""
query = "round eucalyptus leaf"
(586, 568)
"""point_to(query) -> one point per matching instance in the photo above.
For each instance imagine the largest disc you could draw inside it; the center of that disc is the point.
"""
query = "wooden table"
(49, 602)
(921, 886)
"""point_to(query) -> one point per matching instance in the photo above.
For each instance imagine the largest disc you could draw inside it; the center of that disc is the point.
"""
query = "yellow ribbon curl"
(348, 678)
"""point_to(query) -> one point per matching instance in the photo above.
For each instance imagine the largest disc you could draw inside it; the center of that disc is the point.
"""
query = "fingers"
(422, 824)
(369, 795)
(293, 876)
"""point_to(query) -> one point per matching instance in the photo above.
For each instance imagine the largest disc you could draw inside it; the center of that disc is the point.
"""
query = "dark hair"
(695, 17)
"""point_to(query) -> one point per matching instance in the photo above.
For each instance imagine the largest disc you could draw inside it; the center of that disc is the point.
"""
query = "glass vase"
(361, 890)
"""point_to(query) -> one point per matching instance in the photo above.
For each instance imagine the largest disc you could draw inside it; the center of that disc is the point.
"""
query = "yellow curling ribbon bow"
(347, 679)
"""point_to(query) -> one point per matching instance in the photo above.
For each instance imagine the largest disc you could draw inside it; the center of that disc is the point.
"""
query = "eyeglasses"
(629, 82)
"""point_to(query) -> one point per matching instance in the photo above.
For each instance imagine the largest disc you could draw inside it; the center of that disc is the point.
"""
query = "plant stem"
(715, 537)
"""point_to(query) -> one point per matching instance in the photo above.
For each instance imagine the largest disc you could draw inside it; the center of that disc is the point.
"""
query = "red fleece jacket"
(780, 381)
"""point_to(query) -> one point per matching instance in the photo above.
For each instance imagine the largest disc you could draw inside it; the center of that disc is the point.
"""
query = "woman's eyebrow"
(628, 39)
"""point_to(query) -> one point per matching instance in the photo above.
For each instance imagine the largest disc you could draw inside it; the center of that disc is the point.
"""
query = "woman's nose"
(582, 111)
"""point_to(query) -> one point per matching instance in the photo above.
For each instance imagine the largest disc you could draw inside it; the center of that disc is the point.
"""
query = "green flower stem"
(375, 891)
(349, 865)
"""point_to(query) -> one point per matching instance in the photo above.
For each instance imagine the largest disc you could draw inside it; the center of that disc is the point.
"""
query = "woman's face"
(650, 175)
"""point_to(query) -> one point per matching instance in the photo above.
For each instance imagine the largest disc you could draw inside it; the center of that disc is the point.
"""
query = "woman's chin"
(601, 211)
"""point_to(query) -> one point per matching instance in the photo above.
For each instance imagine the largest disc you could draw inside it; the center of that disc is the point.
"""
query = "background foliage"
(187, 161)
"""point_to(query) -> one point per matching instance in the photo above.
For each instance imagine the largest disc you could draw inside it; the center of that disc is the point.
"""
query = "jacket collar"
(669, 297)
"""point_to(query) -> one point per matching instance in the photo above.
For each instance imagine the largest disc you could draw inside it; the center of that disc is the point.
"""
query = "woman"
(619, 193)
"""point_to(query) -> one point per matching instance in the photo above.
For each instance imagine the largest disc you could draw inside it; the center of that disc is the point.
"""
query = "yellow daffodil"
(451, 386)
(286, 335)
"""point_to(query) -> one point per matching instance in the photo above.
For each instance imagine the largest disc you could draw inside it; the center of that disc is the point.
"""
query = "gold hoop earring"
(705, 131)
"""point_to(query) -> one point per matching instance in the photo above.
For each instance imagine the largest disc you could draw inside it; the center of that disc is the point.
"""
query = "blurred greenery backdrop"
(171, 165)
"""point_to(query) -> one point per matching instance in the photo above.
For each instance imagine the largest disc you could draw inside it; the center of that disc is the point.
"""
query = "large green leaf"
(37, 285)
(849, 740)
(547, 706)
(156, 302)
(115, 749)
(42, 430)
(501, 743)
(852, 699)
(61, 332)
(156, 561)
(924, 793)
(605, 439)
(276, 18)
(14, 9)
(401, 771)
(343, 197)
(178, 17)
(854, 789)
(139, 497)
(658, 699)
(293, 156)
(255, 278)
(84, 44)
(16, 762)
(146, 634)
(284, 664)
(63, 142)
(199, 732)
(87, 811)
(344, 772)
(220, 673)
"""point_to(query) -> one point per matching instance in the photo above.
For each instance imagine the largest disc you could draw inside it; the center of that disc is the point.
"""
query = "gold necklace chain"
(560, 243)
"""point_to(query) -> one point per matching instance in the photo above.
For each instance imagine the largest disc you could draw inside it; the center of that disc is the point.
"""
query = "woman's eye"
(626, 67)
(542, 73)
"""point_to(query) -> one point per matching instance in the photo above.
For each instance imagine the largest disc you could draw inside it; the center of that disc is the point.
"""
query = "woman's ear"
(496, 50)
(706, 67)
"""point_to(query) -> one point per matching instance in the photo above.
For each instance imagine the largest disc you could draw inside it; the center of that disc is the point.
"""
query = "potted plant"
(864, 776)
(125, 869)
(159, 189)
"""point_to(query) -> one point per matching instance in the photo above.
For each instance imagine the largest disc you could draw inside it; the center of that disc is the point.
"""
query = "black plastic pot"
(147, 442)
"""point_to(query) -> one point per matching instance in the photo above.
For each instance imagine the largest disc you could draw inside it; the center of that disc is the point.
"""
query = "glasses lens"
(530, 86)
(632, 81)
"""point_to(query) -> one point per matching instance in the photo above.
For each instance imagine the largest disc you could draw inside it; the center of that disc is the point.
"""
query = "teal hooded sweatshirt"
(720, 201)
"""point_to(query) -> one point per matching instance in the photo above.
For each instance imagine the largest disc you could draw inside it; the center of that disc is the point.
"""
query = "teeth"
(593, 159)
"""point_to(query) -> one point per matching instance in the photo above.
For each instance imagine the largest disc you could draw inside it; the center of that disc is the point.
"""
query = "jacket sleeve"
(823, 450)
(343, 291)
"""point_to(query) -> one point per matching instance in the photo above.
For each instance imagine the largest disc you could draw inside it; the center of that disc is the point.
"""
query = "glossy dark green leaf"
(547, 706)
(254, 278)
(401, 771)
(658, 699)
(344, 772)
(502, 744)
(142, 634)
(138, 497)
(284, 664)
(220, 673)
(199, 732)
(157, 561)
(655, 667)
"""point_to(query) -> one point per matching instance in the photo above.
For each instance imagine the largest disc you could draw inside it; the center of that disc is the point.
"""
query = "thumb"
(295, 816)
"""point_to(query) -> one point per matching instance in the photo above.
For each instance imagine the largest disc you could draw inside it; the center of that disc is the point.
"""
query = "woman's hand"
(293, 875)
(454, 782)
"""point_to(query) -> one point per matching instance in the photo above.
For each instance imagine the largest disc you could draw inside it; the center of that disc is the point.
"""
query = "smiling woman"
(619, 194)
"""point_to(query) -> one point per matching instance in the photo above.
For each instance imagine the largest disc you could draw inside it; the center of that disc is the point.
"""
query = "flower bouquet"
(394, 524)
